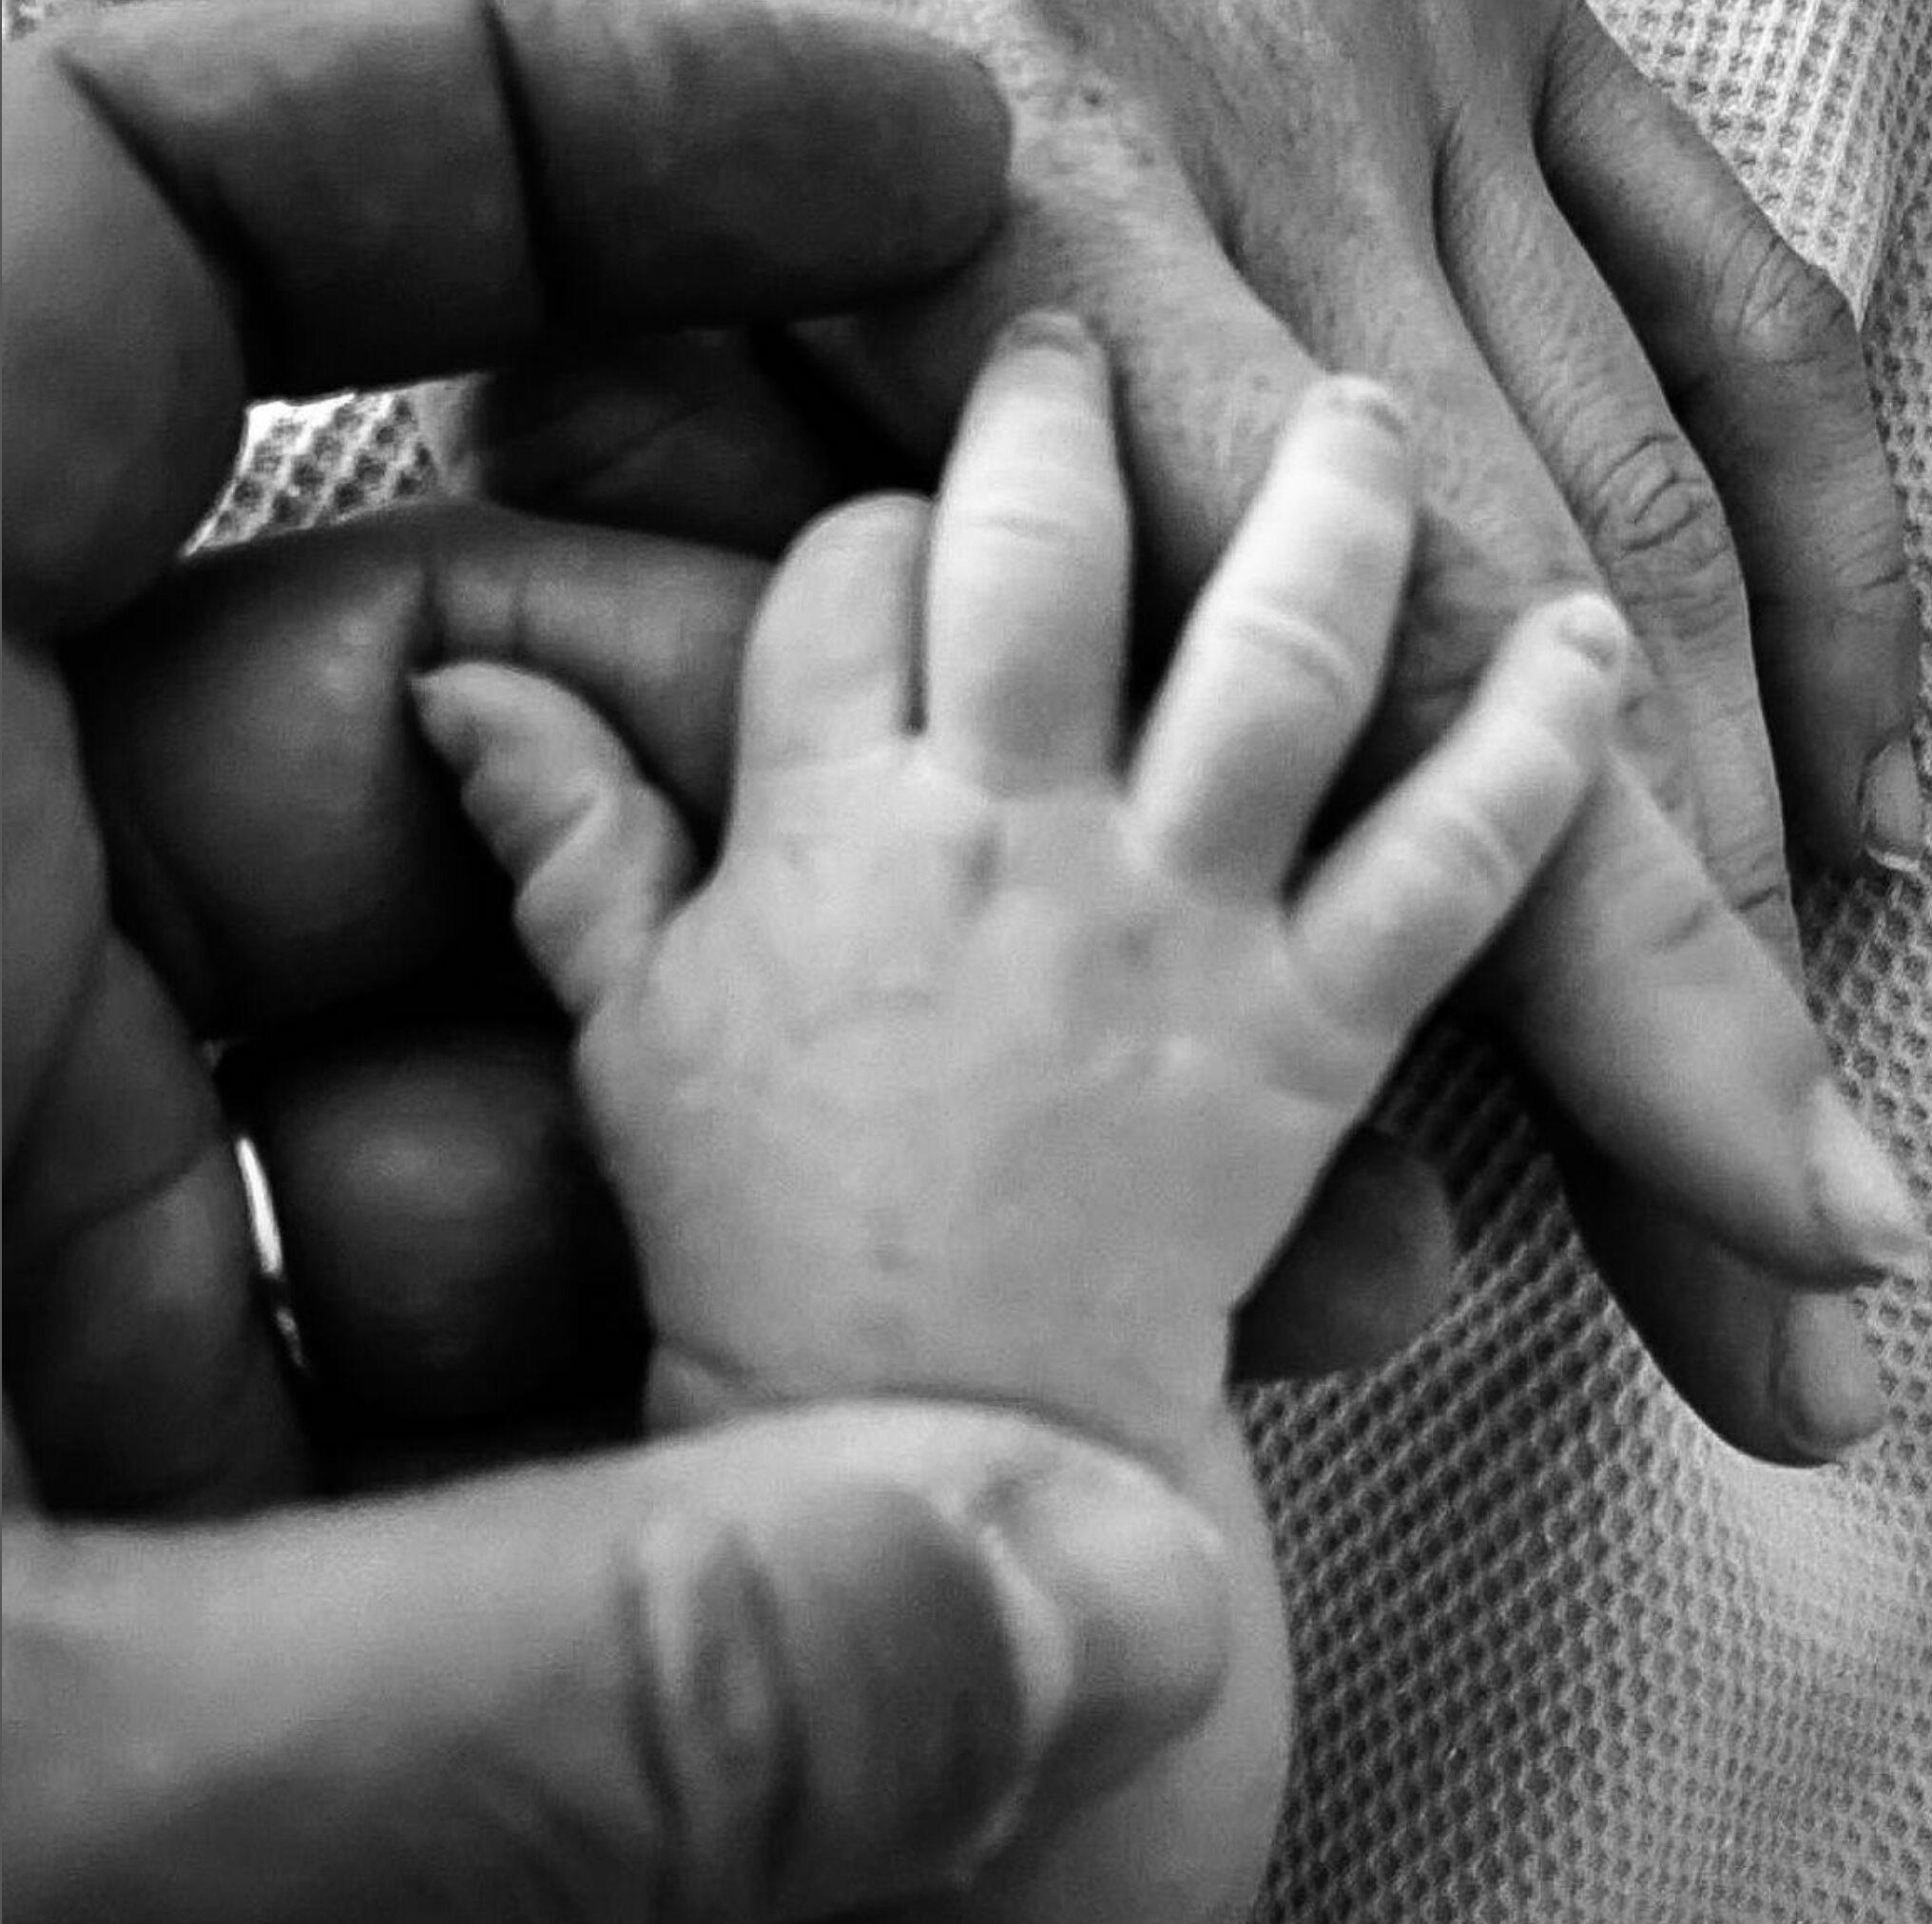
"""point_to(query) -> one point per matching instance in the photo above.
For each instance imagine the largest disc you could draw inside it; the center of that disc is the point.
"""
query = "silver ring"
(271, 1273)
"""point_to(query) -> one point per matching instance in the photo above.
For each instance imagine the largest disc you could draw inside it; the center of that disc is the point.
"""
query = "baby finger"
(1407, 899)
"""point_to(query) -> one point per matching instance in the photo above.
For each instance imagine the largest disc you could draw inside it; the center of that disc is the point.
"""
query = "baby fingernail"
(1863, 1200)
(1824, 1386)
(1049, 327)
(1355, 431)
(1114, 1593)
(1594, 628)
(1365, 399)
(1891, 812)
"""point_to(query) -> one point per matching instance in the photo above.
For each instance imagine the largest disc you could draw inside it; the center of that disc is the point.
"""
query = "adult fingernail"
(1891, 811)
(1114, 1593)
(1824, 1386)
(1860, 1198)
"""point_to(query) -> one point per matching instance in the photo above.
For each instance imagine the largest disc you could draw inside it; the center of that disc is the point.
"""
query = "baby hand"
(982, 1065)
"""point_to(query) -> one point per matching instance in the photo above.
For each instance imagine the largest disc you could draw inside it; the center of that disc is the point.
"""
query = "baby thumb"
(813, 1660)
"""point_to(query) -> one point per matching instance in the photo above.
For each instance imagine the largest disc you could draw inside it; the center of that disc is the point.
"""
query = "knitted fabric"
(1563, 1655)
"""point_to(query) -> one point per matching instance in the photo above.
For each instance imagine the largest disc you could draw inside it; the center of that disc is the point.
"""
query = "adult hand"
(808, 1662)
(1620, 373)
(784, 1668)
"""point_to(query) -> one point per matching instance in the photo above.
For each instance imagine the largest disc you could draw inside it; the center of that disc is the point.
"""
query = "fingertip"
(598, 857)
(1112, 1591)
(1046, 363)
(1048, 330)
(509, 727)
(459, 706)
(829, 669)
(1359, 432)
(513, 742)
(1027, 575)
(442, 716)
(1566, 662)
(1363, 399)
(1594, 628)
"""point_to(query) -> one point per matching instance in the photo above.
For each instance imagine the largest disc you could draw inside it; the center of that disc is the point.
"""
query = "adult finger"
(717, 438)
(449, 1254)
(1760, 356)
(281, 840)
(1368, 1265)
(1282, 659)
(1755, 1140)
(261, 186)
(1027, 572)
(1773, 1368)
(142, 1375)
(1564, 351)
(795, 1664)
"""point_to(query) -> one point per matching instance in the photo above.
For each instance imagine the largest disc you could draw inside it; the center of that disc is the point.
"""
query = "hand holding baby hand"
(778, 1671)
(1045, 1019)
(981, 1066)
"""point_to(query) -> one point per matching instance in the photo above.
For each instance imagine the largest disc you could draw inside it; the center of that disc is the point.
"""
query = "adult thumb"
(813, 1660)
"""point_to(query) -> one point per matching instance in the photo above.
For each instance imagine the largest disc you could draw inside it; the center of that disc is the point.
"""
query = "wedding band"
(271, 1274)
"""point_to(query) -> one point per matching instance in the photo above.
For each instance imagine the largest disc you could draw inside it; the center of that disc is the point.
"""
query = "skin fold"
(980, 1066)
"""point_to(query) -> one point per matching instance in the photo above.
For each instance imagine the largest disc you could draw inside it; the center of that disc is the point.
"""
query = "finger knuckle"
(1870, 589)
(1468, 858)
(1754, 880)
(1319, 667)
(1656, 509)
(1449, 875)
(1032, 516)
(1777, 309)
(719, 1750)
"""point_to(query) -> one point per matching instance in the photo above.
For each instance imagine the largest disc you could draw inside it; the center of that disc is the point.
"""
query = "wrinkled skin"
(978, 1069)
(1617, 372)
